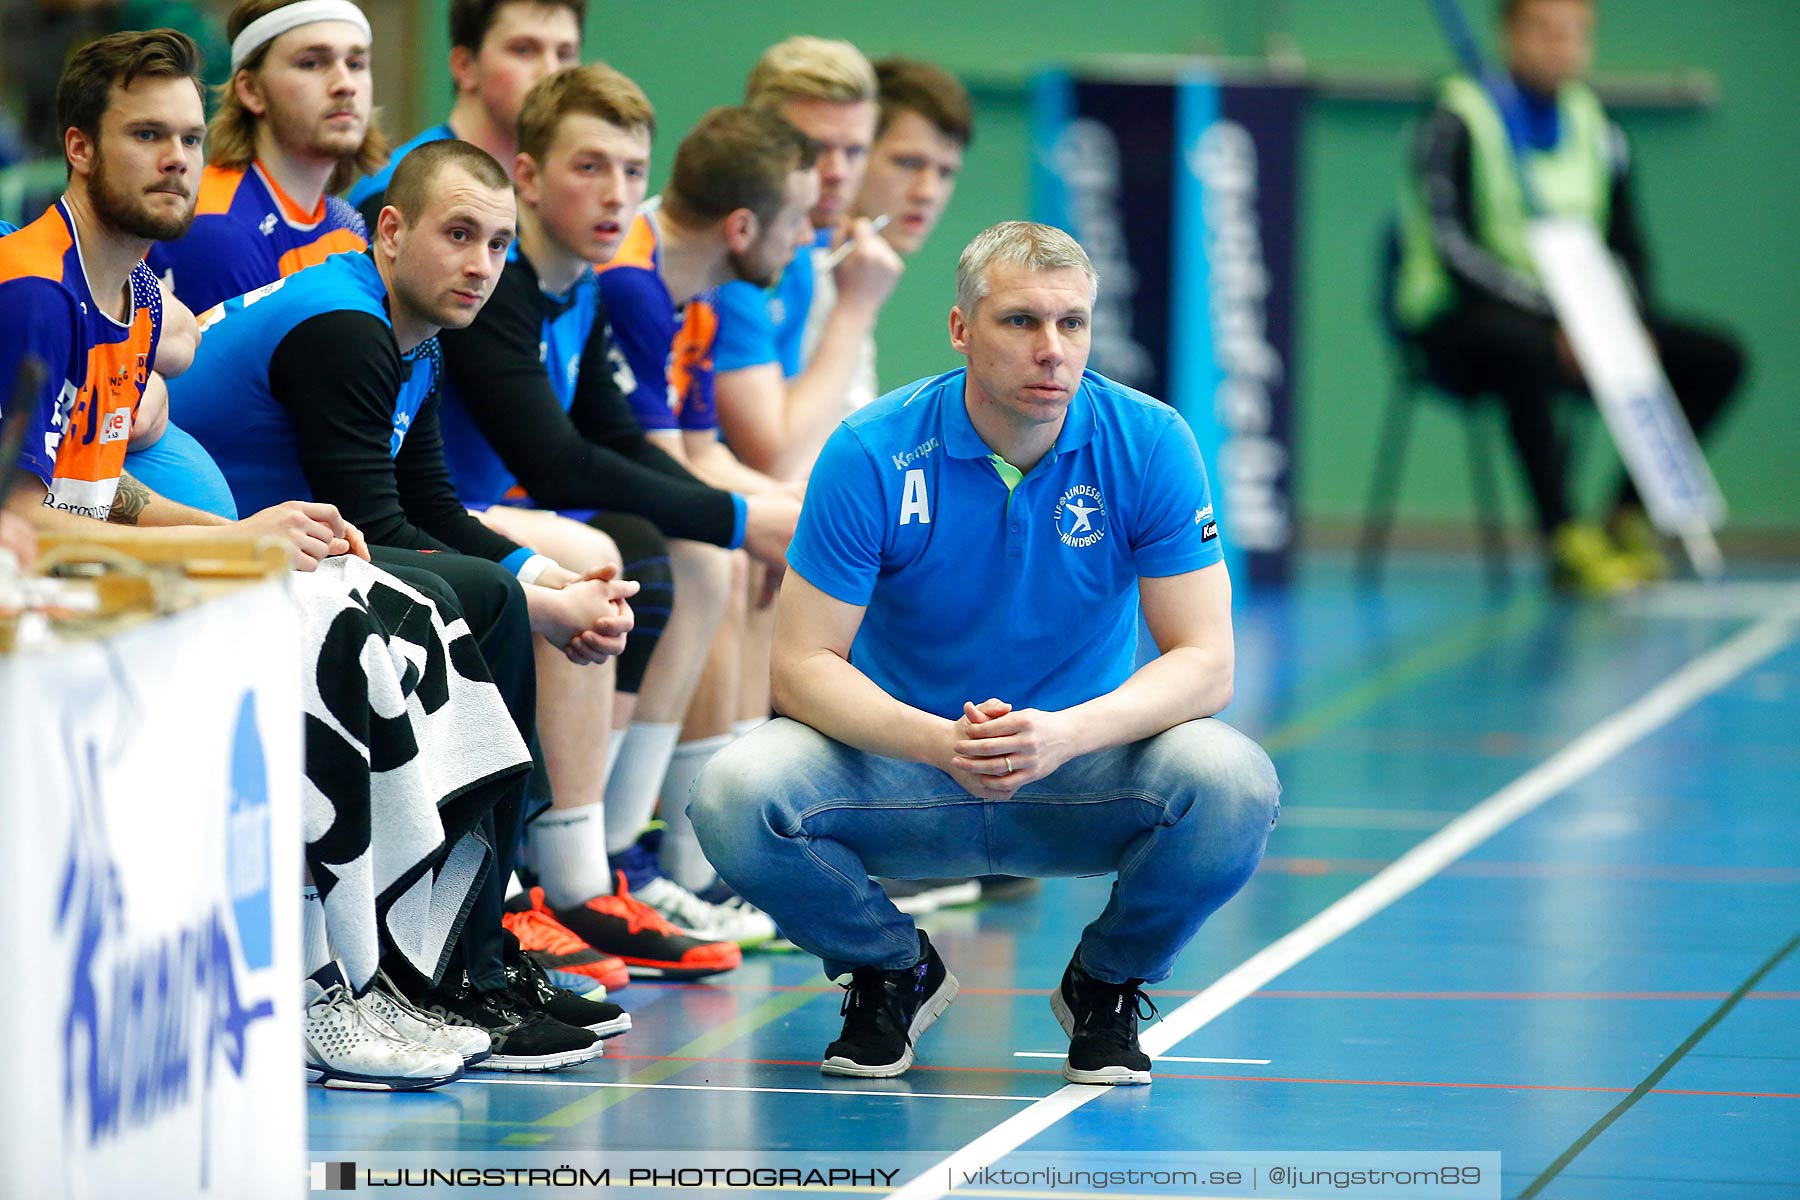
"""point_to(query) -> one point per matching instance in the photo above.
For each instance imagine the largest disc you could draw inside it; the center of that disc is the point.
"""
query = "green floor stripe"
(704, 1046)
(1460, 643)
(1655, 1077)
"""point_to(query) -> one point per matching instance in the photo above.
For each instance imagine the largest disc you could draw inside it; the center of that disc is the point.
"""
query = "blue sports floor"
(1604, 988)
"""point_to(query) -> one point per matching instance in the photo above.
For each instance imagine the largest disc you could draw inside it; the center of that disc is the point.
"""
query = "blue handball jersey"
(97, 367)
(248, 232)
(974, 590)
(765, 325)
(227, 402)
(668, 351)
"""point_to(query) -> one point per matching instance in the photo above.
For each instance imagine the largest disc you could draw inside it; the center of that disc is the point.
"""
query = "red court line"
(1406, 1083)
(1279, 994)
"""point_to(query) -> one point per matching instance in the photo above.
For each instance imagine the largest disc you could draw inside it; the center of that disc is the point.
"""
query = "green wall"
(1719, 188)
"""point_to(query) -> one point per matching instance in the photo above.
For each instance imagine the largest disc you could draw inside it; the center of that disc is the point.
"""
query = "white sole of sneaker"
(928, 1013)
(1110, 1077)
(673, 973)
(581, 985)
(949, 896)
(1107, 1076)
(349, 1081)
(613, 1028)
(743, 943)
(541, 1062)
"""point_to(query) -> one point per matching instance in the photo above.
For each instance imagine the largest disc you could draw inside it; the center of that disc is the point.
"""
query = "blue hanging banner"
(1185, 195)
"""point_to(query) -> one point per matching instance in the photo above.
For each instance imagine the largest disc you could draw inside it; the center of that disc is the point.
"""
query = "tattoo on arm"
(130, 502)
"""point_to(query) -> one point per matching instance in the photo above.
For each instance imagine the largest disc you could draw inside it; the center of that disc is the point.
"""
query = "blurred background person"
(1468, 295)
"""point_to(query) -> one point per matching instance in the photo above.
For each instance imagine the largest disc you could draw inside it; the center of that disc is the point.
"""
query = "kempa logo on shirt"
(1209, 528)
(268, 225)
(1080, 516)
(909, 457)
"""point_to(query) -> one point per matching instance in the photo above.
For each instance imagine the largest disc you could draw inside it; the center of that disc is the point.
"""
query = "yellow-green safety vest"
(1573, 178)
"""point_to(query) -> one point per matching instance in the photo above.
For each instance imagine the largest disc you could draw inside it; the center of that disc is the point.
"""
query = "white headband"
(270, 26)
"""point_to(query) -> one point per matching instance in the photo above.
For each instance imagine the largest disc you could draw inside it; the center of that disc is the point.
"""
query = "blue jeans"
(796, 823)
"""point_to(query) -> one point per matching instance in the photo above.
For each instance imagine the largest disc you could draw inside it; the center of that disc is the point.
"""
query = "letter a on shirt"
(913, 501)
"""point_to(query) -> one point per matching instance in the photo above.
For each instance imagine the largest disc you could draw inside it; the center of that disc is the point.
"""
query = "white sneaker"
(736, 920)
(413, 1023)
(348, 1046)
(917, 897)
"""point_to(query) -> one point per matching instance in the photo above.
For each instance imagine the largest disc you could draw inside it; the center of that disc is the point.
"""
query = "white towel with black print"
(408, 743)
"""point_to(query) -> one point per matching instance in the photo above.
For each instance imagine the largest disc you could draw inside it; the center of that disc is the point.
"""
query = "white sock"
(568, 848)
(740, 728)
(613, 741)
(682, 859)
(315, 942)
(635, 782)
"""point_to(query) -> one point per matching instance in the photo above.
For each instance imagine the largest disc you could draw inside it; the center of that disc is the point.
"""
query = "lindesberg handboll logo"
(1080, 516)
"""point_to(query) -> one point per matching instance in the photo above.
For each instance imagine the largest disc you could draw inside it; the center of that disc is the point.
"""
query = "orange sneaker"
(561, 952)
(651, 947)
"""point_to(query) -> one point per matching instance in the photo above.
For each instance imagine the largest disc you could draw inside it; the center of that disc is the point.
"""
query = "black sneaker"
(884, 1014)
(524, 1038)
(533, 990)
(1101, 1021)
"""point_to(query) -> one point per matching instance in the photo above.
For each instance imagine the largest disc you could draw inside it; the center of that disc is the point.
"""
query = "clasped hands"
(995, 751)
(592, 614)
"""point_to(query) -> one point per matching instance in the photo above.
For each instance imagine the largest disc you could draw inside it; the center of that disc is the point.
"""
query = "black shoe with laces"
(532, 989)
(525, 1038)
(884, 1014)
(1101, 1020)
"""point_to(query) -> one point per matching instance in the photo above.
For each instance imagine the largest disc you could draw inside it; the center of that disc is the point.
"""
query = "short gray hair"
(1021, 244)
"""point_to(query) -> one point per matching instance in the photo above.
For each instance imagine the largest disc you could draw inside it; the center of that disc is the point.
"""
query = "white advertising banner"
(150, 877)
(1627, 381)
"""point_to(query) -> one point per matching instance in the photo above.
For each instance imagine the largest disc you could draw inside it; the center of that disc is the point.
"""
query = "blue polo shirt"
(765, 325)
(973, 590)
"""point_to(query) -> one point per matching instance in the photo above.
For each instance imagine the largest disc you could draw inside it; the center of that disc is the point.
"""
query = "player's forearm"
(1185, 684)
(816, 396)
(136, 504)
(716, 466)
(820, 689)
(54, 522)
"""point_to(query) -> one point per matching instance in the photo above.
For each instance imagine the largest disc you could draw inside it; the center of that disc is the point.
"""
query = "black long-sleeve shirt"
(592, 455)
(339, 375)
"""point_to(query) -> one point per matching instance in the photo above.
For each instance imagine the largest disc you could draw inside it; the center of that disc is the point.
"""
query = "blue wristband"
(740, 512)
(517, 559)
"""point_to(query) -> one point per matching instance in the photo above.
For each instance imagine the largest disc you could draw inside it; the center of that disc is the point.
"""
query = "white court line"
(853, 1093)
(1246, 1062)
(1690, 600)
(1616, 733)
